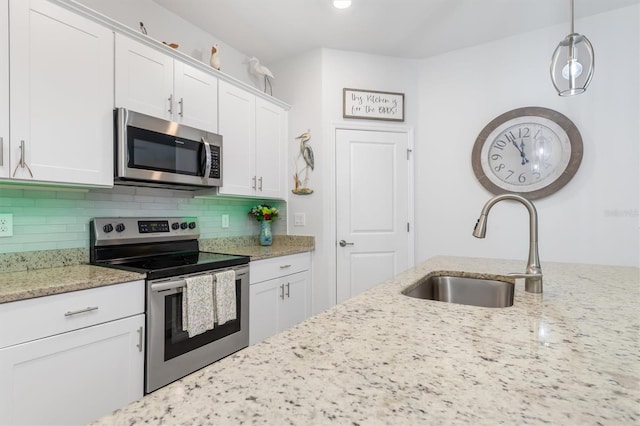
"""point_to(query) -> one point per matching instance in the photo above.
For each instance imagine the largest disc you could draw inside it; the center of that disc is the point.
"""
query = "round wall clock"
(531, 151)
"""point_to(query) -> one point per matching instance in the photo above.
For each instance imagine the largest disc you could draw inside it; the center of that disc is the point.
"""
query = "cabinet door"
(271, 166)
(236, 123)
(265, 299)
(4, 88)
(296, 306)
(74, 377)
(61, 91)
(196, 96)
(144, 79)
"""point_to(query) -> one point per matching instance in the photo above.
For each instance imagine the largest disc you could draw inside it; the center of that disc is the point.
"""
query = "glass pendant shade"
(572, 65)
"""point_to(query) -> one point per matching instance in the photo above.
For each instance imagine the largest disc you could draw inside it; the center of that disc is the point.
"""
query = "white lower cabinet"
(87, 368)
(279, 294)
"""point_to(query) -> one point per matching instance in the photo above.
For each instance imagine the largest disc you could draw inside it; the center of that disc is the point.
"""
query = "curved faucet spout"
(533, 274)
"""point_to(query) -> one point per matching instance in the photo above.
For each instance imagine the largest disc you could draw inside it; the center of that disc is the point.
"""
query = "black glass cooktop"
(174, 264)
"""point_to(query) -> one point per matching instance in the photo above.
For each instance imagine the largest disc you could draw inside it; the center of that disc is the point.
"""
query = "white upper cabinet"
(151, 82)
(4, 89)
(254, 135)
(237, 123)
(271, 152)
(61, 93)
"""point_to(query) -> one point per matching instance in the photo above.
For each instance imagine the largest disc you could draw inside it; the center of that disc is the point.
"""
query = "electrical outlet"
(225, 220)
(299, 219)
(6, 225)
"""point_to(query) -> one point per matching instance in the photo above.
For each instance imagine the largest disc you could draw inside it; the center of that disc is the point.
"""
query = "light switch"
(225, 220)
(299, 219)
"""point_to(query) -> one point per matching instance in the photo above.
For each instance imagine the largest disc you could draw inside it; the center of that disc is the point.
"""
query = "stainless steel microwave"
(153, 152)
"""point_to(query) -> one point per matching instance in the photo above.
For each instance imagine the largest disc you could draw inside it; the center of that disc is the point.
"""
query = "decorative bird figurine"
(307, 155)
(305, 150)
(260, 70)
(215, 59)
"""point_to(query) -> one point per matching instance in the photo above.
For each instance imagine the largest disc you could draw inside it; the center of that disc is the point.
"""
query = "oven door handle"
(171, 285)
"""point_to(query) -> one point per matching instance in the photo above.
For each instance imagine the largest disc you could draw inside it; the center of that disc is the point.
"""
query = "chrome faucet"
(533, 274)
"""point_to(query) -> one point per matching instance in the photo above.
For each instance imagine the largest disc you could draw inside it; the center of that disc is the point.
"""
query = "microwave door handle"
(207, 151)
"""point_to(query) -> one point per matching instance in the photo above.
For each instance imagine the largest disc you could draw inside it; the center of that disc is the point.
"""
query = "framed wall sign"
(372, 105)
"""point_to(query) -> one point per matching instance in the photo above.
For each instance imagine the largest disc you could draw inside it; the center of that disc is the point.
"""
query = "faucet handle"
(532, 282)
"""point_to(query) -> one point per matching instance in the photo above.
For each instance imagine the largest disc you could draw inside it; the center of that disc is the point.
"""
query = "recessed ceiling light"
(341, 4)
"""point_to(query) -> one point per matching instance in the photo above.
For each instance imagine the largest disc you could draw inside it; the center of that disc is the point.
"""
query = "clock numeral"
(510, 174)
(510, 137)
(496, 157)
(523, 132)
(536, 174)
(499, 144)
(499, 167)
(522, 178)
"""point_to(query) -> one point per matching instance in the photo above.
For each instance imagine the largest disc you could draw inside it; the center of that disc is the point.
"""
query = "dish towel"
(197, 305)
(225, 296)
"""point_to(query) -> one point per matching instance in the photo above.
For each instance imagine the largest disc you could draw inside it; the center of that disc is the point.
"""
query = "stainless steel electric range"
(166, 250)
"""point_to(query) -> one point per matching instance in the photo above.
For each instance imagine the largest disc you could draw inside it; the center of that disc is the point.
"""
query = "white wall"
(166, 26)
(299, 83)
(594, 219)
(312, 83)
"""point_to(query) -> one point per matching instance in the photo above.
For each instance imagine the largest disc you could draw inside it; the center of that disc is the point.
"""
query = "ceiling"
(276, 29)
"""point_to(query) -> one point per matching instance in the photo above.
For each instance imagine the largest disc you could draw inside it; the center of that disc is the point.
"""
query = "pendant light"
(572, 63)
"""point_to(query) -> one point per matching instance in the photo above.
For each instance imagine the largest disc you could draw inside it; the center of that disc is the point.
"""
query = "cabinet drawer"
(267, 269)
(31, 319)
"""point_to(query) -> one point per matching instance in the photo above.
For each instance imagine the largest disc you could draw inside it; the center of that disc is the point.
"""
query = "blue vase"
(266, 238)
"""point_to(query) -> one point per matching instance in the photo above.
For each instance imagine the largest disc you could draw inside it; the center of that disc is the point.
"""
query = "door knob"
(343, 243)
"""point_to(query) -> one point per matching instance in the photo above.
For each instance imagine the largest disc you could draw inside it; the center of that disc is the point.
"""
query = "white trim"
(332, 223)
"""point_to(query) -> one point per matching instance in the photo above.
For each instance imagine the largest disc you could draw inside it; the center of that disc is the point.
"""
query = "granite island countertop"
(568, 356)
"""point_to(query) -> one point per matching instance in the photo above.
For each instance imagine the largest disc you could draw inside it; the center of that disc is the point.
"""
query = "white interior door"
(372, 208)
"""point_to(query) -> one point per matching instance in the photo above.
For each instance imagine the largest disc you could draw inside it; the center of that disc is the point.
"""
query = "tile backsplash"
(47, 219)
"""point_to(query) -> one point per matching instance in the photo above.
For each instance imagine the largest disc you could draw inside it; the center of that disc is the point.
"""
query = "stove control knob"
(192, 225)
(175, 225)
(183, 225)
(107, 228)
(120, 227)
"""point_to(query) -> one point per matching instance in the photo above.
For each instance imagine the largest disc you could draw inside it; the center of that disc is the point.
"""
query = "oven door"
(171, 354)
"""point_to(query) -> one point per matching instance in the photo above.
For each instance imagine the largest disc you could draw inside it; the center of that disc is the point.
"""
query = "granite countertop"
(248, 246)
(21, 285)
(568, 356)
(43, 273)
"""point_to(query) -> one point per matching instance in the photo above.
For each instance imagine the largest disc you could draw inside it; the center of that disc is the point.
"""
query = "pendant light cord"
(572, 18)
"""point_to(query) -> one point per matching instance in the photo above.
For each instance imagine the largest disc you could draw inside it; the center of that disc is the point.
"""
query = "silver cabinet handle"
(253, 186)
(181, 103)
(288, 290)
(282, 291)
(285, 266)
(22, 163)
(81, 311)
(343, 243)
(170, 104)
(260, 184)
(1, 151)
(139, 345)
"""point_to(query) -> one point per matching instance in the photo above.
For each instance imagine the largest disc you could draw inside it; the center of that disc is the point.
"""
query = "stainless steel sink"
(464, 290)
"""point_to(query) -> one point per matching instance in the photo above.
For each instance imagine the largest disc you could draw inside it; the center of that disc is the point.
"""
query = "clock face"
(531, 151)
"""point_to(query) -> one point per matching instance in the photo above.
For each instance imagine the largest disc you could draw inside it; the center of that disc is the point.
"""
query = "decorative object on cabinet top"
(259, 70)
(214, 61)
(306, 153)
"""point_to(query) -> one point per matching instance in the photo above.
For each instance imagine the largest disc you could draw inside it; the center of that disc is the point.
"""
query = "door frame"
(332, 228)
